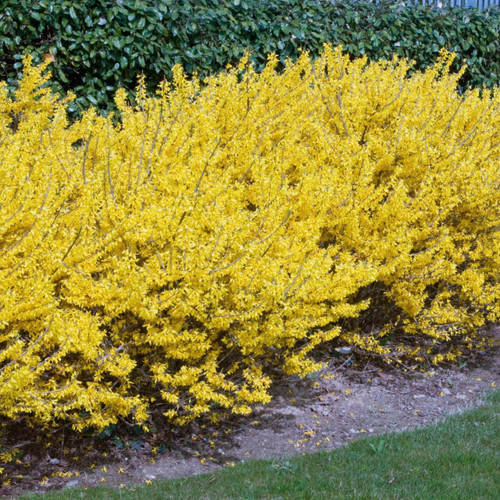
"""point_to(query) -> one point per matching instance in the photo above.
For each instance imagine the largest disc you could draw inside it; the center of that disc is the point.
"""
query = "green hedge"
(100, 45)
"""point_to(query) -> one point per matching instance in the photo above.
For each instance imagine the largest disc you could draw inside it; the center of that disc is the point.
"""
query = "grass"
(458, 458)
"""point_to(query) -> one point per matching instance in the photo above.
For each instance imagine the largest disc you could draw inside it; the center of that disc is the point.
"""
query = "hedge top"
(101, 45)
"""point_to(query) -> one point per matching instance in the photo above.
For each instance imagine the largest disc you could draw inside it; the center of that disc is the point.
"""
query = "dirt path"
(322, 412)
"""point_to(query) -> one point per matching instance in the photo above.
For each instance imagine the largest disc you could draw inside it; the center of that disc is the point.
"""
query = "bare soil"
(347, 401)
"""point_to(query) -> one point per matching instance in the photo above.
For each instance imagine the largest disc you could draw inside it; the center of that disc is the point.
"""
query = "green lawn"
(456, 459)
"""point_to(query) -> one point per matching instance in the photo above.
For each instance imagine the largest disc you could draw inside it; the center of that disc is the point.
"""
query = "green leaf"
(136, 444)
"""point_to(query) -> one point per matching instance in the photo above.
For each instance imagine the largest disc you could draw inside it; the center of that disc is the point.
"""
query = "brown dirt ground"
(338, 405)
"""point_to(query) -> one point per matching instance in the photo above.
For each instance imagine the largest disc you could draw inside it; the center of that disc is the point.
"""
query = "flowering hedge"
(174, 259)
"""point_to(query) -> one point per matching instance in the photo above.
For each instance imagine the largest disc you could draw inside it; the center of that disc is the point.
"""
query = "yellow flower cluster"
(180, 253)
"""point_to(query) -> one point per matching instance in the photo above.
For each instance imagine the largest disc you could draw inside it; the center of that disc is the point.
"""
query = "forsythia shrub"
(174, 258)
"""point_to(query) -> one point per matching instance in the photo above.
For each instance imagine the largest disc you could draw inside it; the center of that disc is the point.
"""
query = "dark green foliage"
(100, 45)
